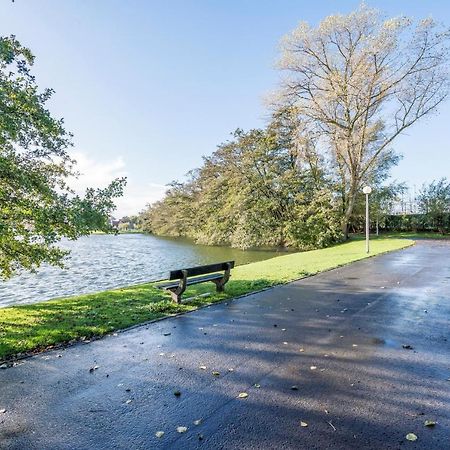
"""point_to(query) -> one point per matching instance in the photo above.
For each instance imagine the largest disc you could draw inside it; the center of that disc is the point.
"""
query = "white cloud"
(137, 196)
(95, 173)
(99, 174)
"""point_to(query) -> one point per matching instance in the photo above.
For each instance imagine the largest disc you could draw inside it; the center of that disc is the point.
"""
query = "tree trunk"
(349, 211)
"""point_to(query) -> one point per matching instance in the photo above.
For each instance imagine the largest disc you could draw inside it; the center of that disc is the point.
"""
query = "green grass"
(416, 235)
(41, 325)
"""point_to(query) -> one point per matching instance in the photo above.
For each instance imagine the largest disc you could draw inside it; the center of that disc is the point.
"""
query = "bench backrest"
(201, 270)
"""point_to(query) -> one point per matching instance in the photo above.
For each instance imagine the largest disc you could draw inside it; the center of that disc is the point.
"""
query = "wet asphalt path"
(337, 337)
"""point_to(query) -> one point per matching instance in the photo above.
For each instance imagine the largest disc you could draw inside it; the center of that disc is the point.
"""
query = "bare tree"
(358, 81)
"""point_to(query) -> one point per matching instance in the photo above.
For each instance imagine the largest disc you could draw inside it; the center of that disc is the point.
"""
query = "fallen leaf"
(202, 367)
(167, 334)
(216, 374)
(128, 402)
(197, 422)
(294, 388)
(159, 434)
(243, 395)
(182, 429)
(91, 370)
(285, 343)
(256, 385)
(230, 369)
(2, 411)
(411, 437)
(303, 424)
(313, 367)
(427, 423)
(302, 350)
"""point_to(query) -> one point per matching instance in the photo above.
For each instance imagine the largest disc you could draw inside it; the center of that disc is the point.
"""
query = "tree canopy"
(252, 191)
(356, 82)
(37, 205)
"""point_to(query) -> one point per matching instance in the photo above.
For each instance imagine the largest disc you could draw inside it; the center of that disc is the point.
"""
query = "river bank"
(103, 262)
(33, 327)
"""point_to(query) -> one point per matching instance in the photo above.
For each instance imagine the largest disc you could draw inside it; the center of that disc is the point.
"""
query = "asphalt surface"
(337, 338)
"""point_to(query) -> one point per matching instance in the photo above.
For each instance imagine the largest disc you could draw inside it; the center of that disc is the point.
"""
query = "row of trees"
(433, 206)
(351, 86)
(252, 191)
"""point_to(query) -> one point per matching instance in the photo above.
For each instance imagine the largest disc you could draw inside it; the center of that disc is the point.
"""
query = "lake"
(100, 262)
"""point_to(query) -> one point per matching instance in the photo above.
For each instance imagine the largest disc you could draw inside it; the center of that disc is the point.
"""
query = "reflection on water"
(102, 262)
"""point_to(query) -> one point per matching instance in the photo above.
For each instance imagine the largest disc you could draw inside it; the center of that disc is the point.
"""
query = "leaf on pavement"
(303, 424)
(427, 423)
(182, 429)
(197, 422)
(411, 437)
(202, 367)
(216, 374)
(243, 395)
(159, 434)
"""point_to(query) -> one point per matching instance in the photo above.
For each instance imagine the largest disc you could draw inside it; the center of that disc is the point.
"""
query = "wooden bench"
(209, 273)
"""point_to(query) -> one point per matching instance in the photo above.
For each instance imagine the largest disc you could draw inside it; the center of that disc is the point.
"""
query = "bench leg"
(176, 297)
(176, 293)
(220, 285)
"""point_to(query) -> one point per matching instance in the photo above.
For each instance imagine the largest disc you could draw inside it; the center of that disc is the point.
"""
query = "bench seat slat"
(190, 281)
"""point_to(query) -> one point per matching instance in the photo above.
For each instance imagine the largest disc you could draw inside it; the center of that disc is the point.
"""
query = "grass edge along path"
(34, 327)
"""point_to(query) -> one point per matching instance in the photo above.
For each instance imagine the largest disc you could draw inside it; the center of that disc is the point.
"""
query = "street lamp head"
(367, 190)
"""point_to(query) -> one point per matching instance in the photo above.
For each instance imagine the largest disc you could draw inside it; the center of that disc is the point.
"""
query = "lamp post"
(367, 190)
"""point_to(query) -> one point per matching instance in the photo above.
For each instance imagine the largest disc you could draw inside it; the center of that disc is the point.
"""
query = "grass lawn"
(38, 326)
(417, 235)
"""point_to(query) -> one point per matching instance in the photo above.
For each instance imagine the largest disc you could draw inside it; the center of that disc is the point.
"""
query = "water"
(100, 262)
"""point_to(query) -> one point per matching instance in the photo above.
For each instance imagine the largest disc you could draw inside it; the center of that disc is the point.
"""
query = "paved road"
(366, 391)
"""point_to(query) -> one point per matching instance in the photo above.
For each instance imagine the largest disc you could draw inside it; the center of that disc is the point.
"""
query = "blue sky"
(148, 87)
